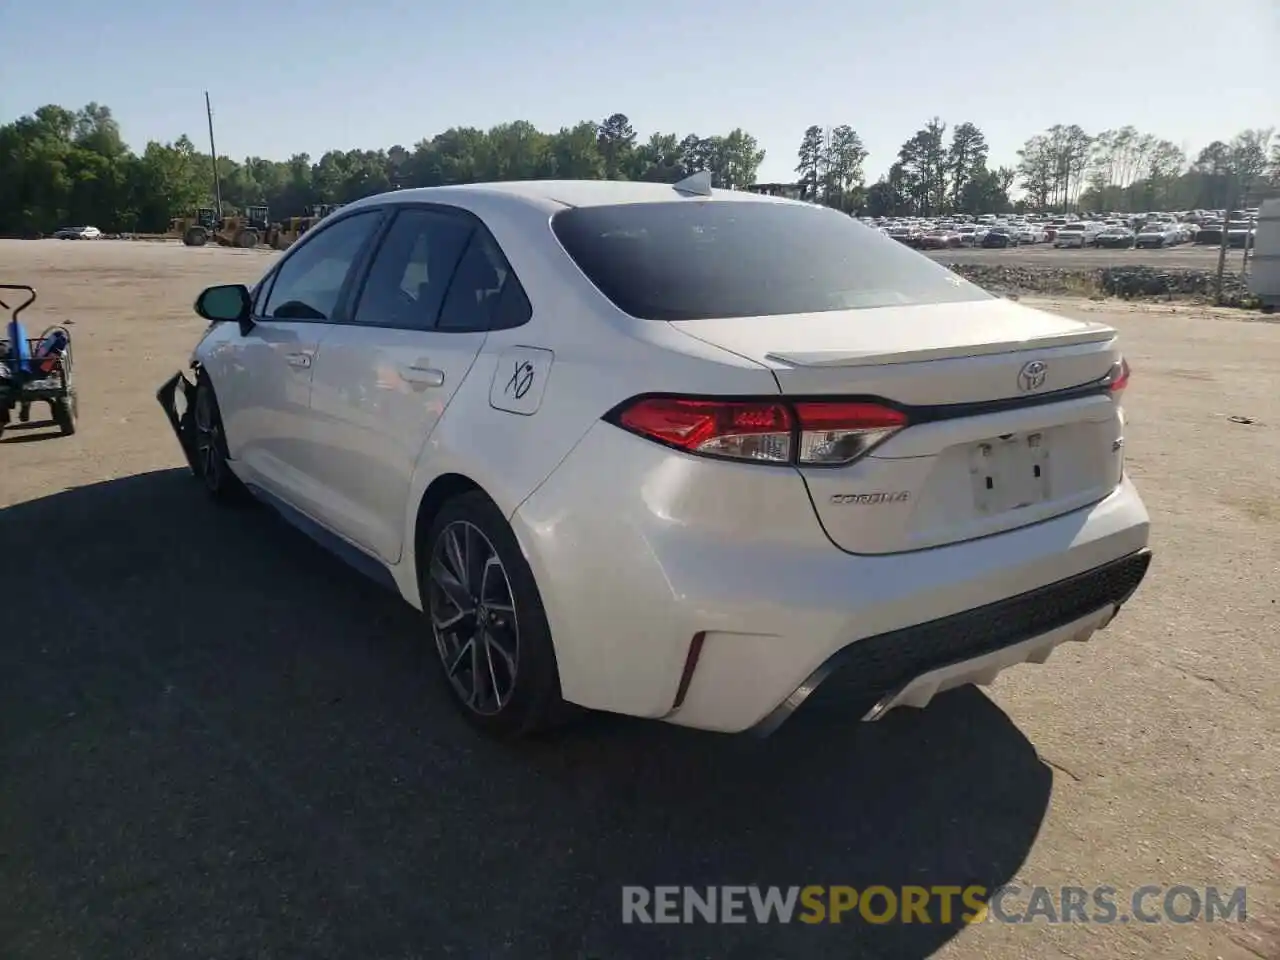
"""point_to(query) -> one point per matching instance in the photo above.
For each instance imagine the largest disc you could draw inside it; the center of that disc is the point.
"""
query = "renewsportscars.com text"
(934, 904)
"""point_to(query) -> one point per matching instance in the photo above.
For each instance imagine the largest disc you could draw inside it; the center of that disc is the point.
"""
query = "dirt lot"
(215, 741)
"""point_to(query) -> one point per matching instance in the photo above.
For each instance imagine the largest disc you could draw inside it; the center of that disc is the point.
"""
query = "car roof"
(555, 195)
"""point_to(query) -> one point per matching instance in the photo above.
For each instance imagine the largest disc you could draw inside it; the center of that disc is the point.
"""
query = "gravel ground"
(217, 742)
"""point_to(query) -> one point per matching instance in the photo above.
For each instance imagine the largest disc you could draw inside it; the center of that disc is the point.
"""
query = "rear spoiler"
(1096, 333)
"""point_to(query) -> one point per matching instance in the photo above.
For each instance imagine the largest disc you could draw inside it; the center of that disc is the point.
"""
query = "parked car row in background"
(1142, 230)
(993, 231)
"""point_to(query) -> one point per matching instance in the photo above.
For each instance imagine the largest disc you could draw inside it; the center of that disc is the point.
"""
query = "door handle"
(299, 359)
(427, 376)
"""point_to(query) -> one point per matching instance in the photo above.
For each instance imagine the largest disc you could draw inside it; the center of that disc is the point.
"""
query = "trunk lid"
(1004, 430)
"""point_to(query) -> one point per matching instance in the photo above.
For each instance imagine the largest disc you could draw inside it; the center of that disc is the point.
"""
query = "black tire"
(64, 413)
(210, 445)
(246, 239)
(196, 237)
(518, 652)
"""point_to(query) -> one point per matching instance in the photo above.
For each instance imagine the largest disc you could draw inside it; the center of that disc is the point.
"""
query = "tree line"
(1064, 168)
(1126, 169)
(60, 167)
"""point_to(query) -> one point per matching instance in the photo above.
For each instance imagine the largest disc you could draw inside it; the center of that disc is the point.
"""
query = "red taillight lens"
(808, 432)
(1118, 378)
(746, 430)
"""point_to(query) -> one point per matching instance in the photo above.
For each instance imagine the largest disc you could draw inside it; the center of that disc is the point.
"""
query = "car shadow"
(216, 736)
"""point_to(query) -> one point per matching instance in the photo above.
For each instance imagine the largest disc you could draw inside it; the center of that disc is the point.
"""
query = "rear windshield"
(690, 260)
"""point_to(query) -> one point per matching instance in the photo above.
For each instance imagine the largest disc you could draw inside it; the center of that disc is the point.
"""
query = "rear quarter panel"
(600, 358)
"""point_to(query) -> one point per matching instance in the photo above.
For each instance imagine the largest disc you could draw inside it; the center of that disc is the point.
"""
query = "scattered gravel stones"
(1131, 282)
(1125, 282)
(1005, 279)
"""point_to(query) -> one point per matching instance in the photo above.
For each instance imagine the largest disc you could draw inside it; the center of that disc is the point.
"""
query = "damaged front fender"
(177, 398)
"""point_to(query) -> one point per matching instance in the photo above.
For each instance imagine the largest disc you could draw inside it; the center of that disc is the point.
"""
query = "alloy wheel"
(208, 440)
(473, 617)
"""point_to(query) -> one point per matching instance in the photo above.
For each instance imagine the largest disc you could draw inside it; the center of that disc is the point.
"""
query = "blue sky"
(288, 76)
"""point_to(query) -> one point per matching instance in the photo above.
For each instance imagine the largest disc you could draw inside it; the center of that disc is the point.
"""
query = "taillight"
(808, 432)
(744, 430)
(1118, 378)
(832, 433)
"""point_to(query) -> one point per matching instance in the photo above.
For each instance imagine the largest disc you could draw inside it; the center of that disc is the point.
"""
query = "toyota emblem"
(1032, 375)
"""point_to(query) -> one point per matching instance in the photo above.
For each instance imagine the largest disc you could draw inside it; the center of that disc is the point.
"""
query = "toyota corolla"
(673, 452)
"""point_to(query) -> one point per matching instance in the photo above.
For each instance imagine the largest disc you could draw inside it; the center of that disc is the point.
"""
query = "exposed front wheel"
(210, 446)
(487, 621)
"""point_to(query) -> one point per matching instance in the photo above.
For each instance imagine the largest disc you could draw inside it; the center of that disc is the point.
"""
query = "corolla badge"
(1032, 375)
(881, 496)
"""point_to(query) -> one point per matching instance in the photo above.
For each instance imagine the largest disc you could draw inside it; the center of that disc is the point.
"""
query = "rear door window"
(485, 294)
(412, 270)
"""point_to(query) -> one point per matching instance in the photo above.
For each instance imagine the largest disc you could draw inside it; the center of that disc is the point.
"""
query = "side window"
(307, 285)
(485, 294)
(410, 273)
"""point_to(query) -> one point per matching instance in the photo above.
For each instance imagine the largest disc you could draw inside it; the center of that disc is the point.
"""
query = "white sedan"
(77, 233)
(1159, 235)
(673, 452)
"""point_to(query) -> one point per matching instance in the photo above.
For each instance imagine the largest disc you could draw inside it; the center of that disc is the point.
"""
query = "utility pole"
(213, 153)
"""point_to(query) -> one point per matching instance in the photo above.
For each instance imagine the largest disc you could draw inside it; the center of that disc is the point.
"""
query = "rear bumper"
(909, 667)
(664, 602)
(175, 397)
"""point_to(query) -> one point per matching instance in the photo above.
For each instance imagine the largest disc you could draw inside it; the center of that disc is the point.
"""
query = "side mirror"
(226, 303)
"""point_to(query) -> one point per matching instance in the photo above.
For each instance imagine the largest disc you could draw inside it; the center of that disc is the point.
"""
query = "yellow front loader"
(290, 230)
(245, 231)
